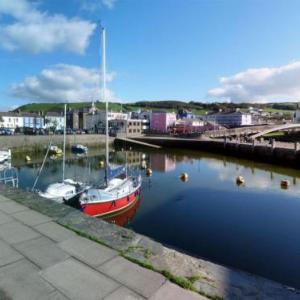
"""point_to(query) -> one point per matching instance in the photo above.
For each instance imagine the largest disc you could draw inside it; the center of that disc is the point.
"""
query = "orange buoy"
(184, 176)
(284, 184)
(148, 171)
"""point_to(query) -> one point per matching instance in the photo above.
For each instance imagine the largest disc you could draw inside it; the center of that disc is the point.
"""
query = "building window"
(129, 130)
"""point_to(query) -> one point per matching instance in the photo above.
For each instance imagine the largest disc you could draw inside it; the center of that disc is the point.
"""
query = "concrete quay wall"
(35, 143)
(261, 152)
(209, 279)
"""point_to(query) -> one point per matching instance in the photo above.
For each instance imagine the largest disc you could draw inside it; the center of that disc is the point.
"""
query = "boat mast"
(103, 40)
(64, 149)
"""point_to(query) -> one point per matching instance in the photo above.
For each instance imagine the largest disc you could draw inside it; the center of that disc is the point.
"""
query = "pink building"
(162, 163)
(161, 121)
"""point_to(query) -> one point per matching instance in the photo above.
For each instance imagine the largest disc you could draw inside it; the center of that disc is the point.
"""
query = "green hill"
(199, 108)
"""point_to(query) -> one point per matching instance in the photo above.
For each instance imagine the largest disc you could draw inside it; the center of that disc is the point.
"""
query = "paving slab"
(78, 281)
(11, 207)
(170, 291)
(54, 231)
(123, 293)
(4, 218)
(143, 281)
(88, 251)
(54, 296)
(31, 217)
(2, 199)
(21, 281)
(15, 232)
(42, 251)
(8, 254)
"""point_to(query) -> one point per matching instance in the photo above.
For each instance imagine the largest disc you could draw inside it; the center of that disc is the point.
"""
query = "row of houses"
(130, 123)
(13, 120)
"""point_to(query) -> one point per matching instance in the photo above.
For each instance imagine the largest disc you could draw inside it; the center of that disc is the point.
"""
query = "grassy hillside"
(198, 108)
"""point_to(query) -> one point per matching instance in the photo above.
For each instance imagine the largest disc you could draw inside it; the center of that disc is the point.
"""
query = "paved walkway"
(40, 259)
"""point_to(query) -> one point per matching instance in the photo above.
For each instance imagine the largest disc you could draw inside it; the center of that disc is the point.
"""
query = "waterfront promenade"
(40, 259)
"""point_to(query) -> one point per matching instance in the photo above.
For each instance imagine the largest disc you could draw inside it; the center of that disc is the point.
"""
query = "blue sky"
(200, 50)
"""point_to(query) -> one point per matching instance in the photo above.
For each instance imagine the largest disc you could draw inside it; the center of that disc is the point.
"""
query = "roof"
(228, 113)
(22, 114)
(54, 114)
(9, 114)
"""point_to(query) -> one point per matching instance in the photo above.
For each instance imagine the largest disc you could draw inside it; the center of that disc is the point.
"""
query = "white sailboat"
(67, 189)
(117, 194)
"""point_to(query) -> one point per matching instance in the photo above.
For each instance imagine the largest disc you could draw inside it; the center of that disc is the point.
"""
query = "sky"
(190, 50)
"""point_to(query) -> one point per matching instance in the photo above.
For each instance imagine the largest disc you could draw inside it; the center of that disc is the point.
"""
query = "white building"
(231, 119)
(54, 120)
(96, 121)
(11, 120)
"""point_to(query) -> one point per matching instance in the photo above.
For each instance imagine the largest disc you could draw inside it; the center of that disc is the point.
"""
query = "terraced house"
(11, 120)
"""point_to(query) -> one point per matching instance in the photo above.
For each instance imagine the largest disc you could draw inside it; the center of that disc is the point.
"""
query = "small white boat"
(67, 189)
(63, 191)
(55, 150)
(5, 155)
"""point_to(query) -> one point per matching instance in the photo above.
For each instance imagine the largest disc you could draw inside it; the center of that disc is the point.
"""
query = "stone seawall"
(259, 152)
(209, 279)
(34, 143)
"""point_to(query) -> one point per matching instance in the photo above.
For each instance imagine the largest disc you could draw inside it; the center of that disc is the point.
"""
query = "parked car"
(6, 131)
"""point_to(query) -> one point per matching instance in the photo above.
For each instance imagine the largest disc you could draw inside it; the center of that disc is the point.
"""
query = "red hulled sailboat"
(120, 191)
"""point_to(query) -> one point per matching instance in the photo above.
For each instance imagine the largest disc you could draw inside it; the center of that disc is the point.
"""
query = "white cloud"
(261, 85)
(109, 3)
(62, 83)
(92, 5)
(35, 31)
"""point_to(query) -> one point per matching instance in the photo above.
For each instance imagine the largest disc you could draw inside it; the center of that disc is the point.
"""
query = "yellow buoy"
(240, 180)
(148, 171)
(27, 158)
(284, 184)
(101, 163)
(184, 176)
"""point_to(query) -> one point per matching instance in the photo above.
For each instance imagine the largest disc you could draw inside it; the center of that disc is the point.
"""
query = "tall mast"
(64, 156)
(105, 100)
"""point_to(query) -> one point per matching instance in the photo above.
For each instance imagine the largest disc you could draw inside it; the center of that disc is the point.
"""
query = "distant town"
(160, 117)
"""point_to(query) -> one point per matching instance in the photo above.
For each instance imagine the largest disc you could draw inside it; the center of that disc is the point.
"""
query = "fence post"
(273, 144)
(253, 145)
(296, 145)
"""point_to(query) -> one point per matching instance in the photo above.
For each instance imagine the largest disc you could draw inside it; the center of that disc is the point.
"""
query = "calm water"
(254, 227)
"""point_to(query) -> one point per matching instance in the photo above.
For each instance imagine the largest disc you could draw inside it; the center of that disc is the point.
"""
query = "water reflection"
(124, 217)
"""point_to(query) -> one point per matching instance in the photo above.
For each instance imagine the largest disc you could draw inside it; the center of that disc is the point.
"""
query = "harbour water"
(252, 227)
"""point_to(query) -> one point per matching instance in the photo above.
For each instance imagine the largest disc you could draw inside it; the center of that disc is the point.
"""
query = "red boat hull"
(123, 217)
(99, 209)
